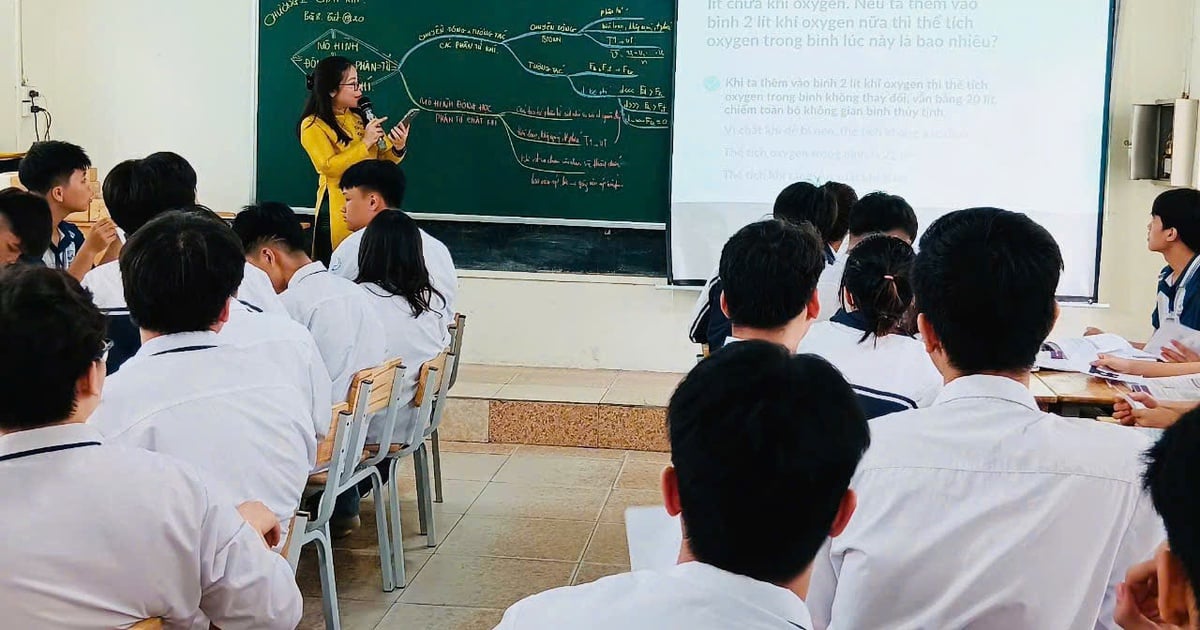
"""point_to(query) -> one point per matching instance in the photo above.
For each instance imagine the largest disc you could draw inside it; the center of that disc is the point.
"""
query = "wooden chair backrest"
(381, 378)
(148, 624)
(438, 363)
(325, 448)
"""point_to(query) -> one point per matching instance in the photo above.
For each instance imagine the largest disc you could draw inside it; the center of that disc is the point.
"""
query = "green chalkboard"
(531, 108)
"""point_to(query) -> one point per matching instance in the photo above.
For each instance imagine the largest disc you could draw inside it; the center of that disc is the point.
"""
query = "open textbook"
(1078, 353)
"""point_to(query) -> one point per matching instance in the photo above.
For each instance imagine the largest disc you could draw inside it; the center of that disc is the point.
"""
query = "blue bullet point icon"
(712, 84)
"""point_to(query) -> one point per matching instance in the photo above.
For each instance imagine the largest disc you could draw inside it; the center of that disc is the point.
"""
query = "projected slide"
(949, 103)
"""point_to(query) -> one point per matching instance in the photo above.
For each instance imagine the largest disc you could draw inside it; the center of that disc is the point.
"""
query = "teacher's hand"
(399, 136)
(374, 131)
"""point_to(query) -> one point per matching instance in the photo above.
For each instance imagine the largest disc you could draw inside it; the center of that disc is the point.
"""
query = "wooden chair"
(457, 330)
(148, 624)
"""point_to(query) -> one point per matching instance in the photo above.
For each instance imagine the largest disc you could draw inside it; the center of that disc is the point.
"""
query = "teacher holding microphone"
(337, 135)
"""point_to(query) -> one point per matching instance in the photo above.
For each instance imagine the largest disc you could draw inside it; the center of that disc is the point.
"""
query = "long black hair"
(878, 277)
(392, 257)
(322, 83)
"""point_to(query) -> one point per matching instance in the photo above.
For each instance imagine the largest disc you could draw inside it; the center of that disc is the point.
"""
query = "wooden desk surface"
(1073, 388)
(1042, 392)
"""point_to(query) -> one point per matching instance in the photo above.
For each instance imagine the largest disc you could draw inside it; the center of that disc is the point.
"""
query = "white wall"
(128, 77)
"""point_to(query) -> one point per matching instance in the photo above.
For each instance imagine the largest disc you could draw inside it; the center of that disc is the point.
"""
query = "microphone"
(368, 112)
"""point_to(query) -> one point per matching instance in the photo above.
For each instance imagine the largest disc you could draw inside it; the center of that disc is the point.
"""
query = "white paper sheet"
(654, 538)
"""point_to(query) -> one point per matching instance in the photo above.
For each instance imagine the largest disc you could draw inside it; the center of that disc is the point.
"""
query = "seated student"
(370, 187)
(763, 446)
(58, 172)
(877, 213)
(336, 312)
(798, 203)
(228, 410)
(1163, 588)
(100, 535)
(973, 512)
(24, 227)
(889, 370)
(769, 274)
(846, 197)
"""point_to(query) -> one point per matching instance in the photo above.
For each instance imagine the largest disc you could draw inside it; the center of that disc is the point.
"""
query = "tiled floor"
(516, 520)
(611, 387)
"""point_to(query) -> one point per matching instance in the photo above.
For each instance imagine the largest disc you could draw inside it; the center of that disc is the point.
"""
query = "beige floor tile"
(621, 498)
(354, 615)
(410, 527)
(660, 380)
(638, 474)
(412, 616)
(465, 420)
(589, 572)
(476, 373)
(636, 396)
(471, 466)
(608, 545)
(356, 574)
(648, 456)
(551, 393)
(449, 446)
(465, 390)
(559, 471)
(457, 494)
(534, 539)
(564, 377)
(484, 582)
(526, 501)
(570, 451)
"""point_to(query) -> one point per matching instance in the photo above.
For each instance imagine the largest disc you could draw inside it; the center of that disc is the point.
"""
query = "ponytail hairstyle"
(324, 81)
(878, 279)
(392, 257)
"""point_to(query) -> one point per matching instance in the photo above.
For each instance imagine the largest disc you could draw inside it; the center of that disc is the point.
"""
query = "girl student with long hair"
(865, 339)
(336, 135)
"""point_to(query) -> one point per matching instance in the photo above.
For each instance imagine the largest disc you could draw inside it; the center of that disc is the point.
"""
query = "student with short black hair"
(799, 203)
(763, 447)
(227, 409)
(769, 274)
(24, 227)
(973, 512)
(876, 213)
(888, 369)
(1163, 588)
(371, 187)
(112, 535)
(58, 172)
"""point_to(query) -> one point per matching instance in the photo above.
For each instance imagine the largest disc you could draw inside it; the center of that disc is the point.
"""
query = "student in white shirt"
(246, 422)
(99, 535)
(763, 446)
(769, 271)
(889, 370)
(370, 187)
(799, 203)
(877, 213)
(1160, 592)
(982, 511)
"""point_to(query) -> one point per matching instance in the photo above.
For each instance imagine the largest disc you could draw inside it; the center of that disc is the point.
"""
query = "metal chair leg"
(419, 474)
(381, 530)
(437, 467)
(393, 506)
(425, 496)
(329, 601)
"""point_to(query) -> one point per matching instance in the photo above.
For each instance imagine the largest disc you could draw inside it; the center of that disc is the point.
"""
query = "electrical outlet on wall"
(28, 96)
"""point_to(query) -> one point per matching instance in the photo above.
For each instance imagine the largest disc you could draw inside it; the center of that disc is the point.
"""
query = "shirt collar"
(70, 433)
(764, 595)
(987, 386)
(855, 320)
(307, 270)
(830, 256)
(166, 343)
(731, 339)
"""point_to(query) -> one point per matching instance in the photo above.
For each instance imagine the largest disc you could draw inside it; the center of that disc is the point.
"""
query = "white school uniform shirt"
(692, 595)
(341, 320)
(257, 291)
(889, 374)
(227, 410)
(290, 348)
(984, 512)
(438, 261)
(829, 285)
(102, 536)
(413, 339)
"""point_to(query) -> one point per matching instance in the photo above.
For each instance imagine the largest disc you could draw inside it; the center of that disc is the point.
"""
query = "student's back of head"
(878, 278)
(1171, 478)
(269, 223)
(985, 281)
(763, 445)
(846, 197)
(51, 336)
(882, 213)
(802, 202)
(379, 177)
(179, 272)
(391, 257)
(1179, 209)
(25, 226)
(136, 191)
(50, 164)
(769, 272)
